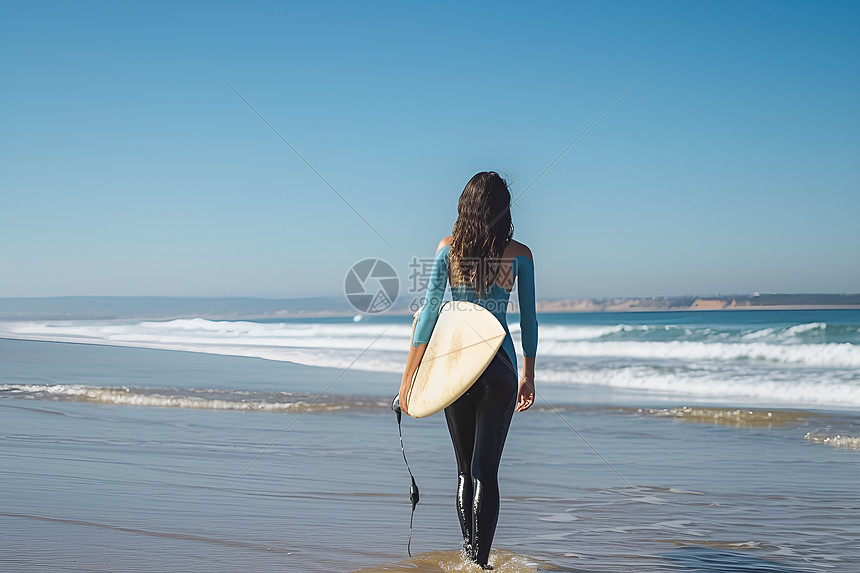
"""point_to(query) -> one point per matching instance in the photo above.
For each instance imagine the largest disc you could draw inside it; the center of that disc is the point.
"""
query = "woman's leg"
(495, 397)
(461, 425)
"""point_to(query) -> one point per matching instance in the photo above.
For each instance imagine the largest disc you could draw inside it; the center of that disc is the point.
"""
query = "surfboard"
(464, 341)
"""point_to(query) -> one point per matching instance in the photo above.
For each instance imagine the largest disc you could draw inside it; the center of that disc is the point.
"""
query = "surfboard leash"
(413, 489)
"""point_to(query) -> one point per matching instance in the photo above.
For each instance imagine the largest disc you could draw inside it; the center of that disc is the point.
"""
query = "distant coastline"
(165, 308)
(721, 302)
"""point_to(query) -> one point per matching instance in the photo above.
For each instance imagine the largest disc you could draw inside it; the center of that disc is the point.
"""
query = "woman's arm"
(426, 319)
(416, 353)
(528, 329)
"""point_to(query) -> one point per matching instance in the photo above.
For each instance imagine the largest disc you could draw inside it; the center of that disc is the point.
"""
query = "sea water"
(690, 441)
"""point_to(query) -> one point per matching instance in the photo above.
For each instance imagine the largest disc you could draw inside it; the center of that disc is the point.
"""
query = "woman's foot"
(467, 551)
(474, 559)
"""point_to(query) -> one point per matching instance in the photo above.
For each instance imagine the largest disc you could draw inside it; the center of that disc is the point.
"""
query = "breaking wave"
(318, 344)
(812, 363)
(201, 399)
(840, 355)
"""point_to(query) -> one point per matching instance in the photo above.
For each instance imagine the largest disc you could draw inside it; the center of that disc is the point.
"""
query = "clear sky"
(129, 167)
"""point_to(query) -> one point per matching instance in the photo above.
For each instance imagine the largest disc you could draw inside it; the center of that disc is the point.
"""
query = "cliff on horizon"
(720, 302)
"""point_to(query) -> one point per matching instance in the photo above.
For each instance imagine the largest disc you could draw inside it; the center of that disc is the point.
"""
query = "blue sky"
(129, 167)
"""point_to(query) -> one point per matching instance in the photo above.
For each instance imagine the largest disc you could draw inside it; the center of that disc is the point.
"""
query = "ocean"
(660, 441)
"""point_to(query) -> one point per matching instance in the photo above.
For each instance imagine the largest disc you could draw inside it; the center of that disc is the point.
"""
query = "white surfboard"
(464, 341)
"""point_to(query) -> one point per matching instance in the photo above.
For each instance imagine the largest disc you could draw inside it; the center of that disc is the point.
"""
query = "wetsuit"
(479, 420)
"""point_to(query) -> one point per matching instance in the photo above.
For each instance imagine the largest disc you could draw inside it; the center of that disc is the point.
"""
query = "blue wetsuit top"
(495, 300)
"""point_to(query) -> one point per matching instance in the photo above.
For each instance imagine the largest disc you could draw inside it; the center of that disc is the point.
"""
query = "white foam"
(822, 389)
(555, 332)
(835, 440)
(175, 398)
(318, 344)
(801, 328)
(759, 334)
(780, 370)
(837, 355)
(313, 344)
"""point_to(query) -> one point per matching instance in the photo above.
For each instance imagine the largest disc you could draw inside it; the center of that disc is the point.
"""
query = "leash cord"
(413, 489)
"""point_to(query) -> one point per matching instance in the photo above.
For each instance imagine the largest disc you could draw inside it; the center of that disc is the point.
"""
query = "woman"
(481, 261)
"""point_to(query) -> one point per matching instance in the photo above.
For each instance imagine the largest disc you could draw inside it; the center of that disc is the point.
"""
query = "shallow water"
(99, 485)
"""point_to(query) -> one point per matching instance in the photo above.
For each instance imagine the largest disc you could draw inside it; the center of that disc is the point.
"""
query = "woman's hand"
(401, 400)
(404, 389)
(526, 395)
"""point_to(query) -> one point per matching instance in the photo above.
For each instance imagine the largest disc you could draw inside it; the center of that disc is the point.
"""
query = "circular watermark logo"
(371, 286)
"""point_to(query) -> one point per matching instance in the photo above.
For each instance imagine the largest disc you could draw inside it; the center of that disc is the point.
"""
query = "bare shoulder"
(446, 242)
(516, 249)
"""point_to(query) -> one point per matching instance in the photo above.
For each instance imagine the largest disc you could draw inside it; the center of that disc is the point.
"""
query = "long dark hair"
(482, 232)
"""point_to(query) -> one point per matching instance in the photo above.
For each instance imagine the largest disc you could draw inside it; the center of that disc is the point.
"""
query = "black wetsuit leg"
(478, 423)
